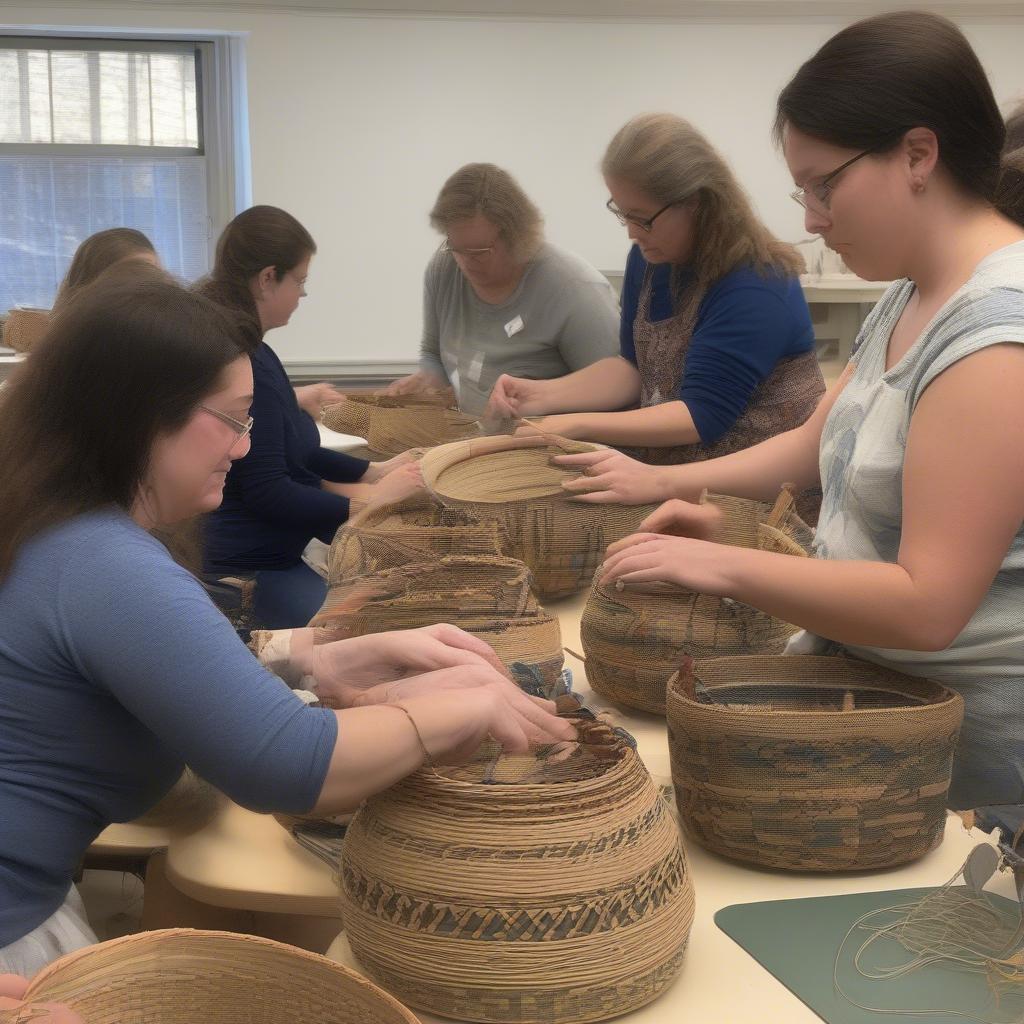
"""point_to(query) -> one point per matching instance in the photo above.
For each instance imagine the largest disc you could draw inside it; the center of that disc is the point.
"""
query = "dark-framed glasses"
(645, 224)
(240, 428)
(819, 195)
(472, 254)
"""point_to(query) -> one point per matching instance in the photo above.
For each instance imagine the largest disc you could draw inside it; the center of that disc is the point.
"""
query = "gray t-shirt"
(863, 447)
(562, 316)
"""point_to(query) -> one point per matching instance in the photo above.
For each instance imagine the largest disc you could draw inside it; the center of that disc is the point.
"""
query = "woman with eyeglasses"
(894, 140)
(288, 489)
(499, 299)
(116, 668)
(716, 349)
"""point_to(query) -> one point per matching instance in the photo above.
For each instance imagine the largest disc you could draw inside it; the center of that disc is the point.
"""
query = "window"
(100, 133)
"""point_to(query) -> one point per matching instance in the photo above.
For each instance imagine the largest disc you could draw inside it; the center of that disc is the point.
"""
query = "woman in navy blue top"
(716, 344)
(288, 489)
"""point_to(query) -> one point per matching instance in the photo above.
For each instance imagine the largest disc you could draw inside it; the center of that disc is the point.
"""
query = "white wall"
(356, 121)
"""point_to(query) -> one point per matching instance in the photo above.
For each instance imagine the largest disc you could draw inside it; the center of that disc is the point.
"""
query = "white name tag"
(514, 326)
(476, 368)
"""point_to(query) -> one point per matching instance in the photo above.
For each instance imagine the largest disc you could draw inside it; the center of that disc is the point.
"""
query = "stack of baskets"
(511, 481)
(489, 596)
(394, 425)
(811, 763)
(180, 976)
(545, 888)
(634, 639)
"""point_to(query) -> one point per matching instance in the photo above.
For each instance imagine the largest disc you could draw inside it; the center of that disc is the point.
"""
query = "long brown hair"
(98, 253)
(670, 160)
(127, 359)
(878, 78)
(260, 237)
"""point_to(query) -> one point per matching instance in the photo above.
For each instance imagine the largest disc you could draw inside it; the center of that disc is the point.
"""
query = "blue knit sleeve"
(746, 325)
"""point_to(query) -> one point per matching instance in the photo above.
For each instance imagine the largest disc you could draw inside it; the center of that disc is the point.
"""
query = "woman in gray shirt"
(499, 299)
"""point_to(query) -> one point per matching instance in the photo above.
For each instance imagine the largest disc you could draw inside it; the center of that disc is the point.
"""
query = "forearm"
(612, 383)
(665, 425)
(758, 472)
(376, 747)
(869, 604)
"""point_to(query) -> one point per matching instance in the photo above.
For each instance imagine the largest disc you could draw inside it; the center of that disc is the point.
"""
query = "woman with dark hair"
(288, 489)
(115, 667)
(100, 252)
(894, 141)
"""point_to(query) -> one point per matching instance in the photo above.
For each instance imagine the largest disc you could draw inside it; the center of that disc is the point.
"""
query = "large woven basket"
(488, 596)
(24, 327)
(634, 640)
(418, 529)
(517, 891)
(394, 425)
(180, 976)
(511, 480)
(811, 763)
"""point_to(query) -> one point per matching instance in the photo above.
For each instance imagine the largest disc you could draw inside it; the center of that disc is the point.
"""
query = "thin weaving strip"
(811, 763)
(512, 481)
(560, 893)
(634, 639)
(180, 976)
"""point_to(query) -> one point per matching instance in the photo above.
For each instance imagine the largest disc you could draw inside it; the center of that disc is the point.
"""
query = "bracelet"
(419, 735)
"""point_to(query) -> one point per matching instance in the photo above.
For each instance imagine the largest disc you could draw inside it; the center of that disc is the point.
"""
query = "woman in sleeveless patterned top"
(716, 343)
(894, 140)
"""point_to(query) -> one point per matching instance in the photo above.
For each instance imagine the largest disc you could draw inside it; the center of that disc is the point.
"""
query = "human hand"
(645, 559)
(414, 383)
(678, 518)
(398, 485)
(609, 476)
(358, 670)
(12, 992)
(313, 398)
(512, 397)
(376, 471)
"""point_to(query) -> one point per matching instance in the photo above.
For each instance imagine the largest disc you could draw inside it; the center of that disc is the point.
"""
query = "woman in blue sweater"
(116, 668)
(716, 345)
(288, 489)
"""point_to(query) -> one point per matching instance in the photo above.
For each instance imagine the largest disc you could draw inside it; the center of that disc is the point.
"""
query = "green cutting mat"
(797, 942)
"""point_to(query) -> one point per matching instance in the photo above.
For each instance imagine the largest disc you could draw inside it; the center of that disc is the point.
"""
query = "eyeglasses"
(240, 428)
(628, 218)
(819, 197)
(471, 254)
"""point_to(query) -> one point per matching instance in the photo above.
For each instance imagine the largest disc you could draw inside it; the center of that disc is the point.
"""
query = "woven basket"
(634, 640)
(488, 596)
(517, 892)
(394, 425)
(180, 976)
(811, 763)
(24, 327)
(418, 529)
(511, 480)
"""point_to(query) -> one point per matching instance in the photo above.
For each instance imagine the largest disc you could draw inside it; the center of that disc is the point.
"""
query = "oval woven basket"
(512, 480)
(24, 327)
(811, 763)
(416, 530)
(181, 976)
(489, 596)
(394, 425)
(515, 890)
(634, 640)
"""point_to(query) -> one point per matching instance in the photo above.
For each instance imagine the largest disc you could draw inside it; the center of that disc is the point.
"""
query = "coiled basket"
(520, 889)
(811, 763)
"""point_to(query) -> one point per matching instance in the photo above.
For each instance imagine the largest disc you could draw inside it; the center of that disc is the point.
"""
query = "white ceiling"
(603, 9)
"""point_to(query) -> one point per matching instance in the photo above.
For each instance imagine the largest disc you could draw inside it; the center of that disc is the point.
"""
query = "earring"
(918, 185)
